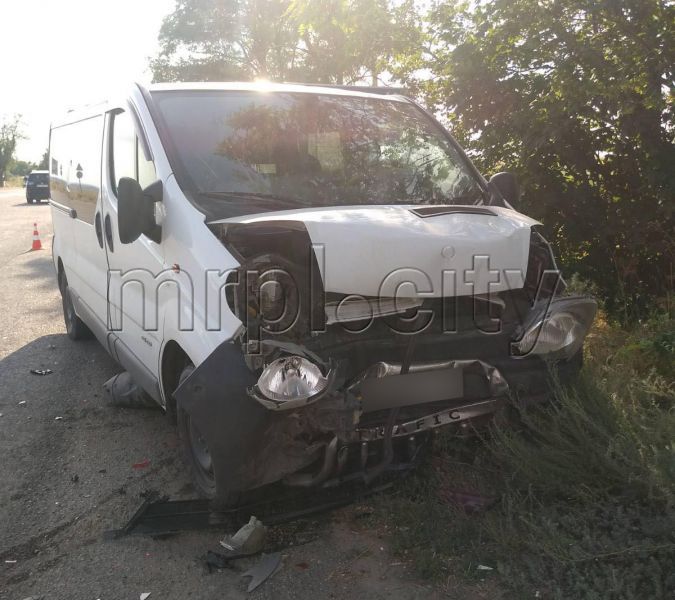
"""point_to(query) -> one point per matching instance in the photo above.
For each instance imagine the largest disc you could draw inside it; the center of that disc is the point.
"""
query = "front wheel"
(197, 455)
(195, 449)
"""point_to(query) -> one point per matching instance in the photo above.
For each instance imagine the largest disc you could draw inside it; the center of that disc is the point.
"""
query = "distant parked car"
(37, 186)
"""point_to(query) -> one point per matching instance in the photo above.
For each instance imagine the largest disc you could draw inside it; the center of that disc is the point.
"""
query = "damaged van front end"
(344, 367)
(378, 287)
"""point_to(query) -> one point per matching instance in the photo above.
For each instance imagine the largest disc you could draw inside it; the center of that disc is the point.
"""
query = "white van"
(309, 280)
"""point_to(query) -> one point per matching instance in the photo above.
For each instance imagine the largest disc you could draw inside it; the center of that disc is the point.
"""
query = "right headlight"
(560, 331)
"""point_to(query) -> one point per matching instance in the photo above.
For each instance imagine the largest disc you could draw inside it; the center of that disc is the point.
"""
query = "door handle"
(108, 232)
(99, 229)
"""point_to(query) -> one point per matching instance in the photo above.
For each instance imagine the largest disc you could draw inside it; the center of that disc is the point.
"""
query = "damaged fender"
(243, 437)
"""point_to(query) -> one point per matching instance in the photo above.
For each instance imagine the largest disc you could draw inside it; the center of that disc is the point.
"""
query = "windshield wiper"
(286, 201)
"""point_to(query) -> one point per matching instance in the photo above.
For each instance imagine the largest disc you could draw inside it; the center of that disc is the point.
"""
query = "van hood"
(412, 250)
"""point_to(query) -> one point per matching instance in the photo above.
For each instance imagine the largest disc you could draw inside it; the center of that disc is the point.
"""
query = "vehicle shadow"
(27, 205)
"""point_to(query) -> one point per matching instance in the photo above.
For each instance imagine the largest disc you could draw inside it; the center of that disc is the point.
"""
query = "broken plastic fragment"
(248, 540)
(485, 568)
(41, 371)
(142, 464)
(22, 402)
(263, 570)
(121, 390)
(144, 595)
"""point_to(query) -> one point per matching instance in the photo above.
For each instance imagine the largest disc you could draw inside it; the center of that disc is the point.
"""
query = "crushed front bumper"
(356, 429)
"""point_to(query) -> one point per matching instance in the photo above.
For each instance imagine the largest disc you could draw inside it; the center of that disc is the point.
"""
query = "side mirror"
(136, 210)
(507, 186)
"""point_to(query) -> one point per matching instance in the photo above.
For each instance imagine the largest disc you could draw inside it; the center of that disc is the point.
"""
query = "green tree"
(224, 40)
(20, 168)
(347, 41)
(576, 96)
(326, 41)
(44, 161)
(10, 134)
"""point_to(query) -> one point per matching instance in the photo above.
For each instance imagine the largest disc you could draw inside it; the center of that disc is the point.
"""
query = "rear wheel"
(29, 201)
(75, 327)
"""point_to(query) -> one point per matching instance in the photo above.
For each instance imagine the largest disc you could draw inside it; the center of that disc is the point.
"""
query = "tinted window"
(38, 178)
(284, 150)
(75, 157)
(128, 159)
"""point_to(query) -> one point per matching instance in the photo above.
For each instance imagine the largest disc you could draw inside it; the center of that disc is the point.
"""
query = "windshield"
(244, 152)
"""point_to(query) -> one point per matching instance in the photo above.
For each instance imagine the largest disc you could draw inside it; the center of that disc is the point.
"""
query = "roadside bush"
(584, 488)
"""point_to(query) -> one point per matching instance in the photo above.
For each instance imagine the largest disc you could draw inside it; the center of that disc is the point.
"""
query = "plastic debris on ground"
(485, 568)
(248, 540)
(142, 464)
(41, 371)
(121, 390)
(144, 595)
(267, 565)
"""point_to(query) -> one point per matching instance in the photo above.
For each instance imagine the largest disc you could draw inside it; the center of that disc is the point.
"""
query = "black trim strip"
(425, 212)
(71, 212)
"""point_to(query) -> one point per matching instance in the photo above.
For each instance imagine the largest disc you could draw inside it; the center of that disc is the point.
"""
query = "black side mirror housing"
(506, 184)
(136, 210)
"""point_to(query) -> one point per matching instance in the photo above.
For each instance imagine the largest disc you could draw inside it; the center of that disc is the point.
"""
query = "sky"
(58, 54)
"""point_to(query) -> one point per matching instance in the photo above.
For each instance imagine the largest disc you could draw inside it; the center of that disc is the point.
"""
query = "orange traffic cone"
(37, 244)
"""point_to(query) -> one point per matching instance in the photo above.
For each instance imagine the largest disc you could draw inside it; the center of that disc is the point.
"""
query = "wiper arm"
(256, 195)
(273, 198)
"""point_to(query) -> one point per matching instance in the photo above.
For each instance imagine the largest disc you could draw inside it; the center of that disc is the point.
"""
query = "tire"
(29, 201)
(195, 450)
(75, 327)
(197, 456)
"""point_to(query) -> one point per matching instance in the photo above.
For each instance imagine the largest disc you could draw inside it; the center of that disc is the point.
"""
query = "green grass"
(584, 488)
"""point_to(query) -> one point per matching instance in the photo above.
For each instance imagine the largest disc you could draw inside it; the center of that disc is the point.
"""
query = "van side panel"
(75, 166)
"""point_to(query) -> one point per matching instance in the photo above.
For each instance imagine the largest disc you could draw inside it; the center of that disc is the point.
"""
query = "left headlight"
(291, 378)
(560, 332)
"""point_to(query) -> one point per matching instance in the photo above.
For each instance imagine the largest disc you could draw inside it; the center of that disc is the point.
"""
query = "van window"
(75, 152)
(127, 155)
(246, 152)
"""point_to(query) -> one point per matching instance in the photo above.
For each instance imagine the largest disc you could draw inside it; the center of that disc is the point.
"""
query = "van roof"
(87, 111)
(267, 86)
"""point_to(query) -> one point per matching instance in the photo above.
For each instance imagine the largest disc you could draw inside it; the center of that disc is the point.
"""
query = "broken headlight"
(560, 332)
(291, 378)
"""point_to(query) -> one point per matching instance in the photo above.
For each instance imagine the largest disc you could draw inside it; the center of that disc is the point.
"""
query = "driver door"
(134, 267)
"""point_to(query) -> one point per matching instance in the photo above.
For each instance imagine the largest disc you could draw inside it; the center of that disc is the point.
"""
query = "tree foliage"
(328, 41)
(576, 96)
(10, 134)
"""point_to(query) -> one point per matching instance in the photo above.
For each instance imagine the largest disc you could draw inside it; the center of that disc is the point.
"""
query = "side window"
(75, 156)
(127, 158)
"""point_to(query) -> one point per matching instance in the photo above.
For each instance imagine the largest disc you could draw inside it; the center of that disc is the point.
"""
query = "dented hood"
(409, 251)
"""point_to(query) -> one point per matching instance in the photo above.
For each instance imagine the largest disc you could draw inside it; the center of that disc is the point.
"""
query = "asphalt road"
(67, 476)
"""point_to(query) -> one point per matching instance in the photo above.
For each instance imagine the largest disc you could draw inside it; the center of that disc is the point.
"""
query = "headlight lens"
(291, 378)
(561, 332)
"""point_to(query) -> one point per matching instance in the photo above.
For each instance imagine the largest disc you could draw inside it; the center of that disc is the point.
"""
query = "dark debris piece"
(41, 371)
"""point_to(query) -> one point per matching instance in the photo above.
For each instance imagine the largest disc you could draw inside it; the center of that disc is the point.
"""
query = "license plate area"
(378, 393)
